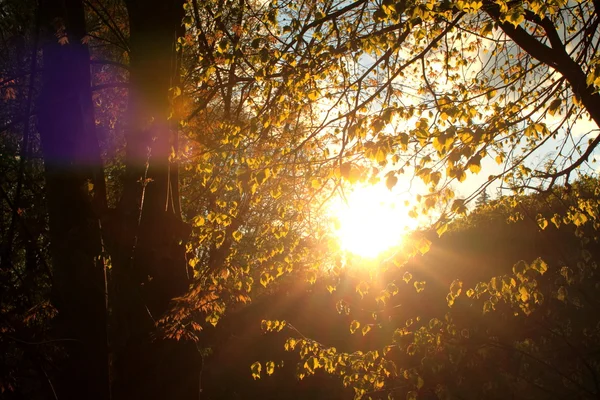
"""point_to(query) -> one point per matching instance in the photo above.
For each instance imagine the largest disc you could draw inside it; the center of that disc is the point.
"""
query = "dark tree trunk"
(72, 165)
(150, 268)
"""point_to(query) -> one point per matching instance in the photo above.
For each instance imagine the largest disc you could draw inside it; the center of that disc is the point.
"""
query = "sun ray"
(371, 221)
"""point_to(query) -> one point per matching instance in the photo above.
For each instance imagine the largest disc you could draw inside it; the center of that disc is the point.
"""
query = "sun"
(372, 221)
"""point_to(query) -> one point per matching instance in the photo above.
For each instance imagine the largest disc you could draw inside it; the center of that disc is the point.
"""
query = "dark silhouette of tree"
(483, 199)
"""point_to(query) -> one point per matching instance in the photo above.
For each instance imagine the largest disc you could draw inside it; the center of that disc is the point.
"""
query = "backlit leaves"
(256, 369)
(269, 367)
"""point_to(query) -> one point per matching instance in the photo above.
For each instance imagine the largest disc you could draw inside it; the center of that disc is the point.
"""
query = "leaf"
(366, 329)
(541, 221)
(391, 181)
(458, 206)
(554, 106)
(198, 220)
(256, 368)
(237, 235)
(345, 169)
(487, 307)
(424, 246)
(362, 288)
(311, 277)
(516, 16)
(263, 175)
(265, 278)
(524, 293)
(174, 92)
(540, 266)
(456, 287)
(561, 294)
(441, 228)
(474, 164)
(419, 286)
(354, 326)
(213, 319)
(487, 29)
(270, 367)
(312, 364)
(579, 218)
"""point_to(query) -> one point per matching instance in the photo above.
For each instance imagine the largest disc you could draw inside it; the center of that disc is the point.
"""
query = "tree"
(298, 98)
(483, 199)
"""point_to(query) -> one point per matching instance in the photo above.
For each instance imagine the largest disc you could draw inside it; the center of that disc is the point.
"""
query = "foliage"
(527, 330)
(277, 106)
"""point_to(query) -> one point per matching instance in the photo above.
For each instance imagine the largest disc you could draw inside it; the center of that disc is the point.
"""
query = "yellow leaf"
(270, 367)
(237, 235)
(366, 329)
(354, 326)
(198, 220)
(256, 368)
(542, 222)
(362, 288)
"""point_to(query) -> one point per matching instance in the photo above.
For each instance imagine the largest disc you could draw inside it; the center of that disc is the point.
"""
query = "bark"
(150, 267)
(72, 163)
(557, 57)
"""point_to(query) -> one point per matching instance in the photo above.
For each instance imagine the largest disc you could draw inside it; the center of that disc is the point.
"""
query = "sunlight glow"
(372, 221)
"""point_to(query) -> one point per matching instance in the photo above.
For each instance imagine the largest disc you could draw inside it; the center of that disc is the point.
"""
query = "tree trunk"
(150, 268)
(72, 166)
